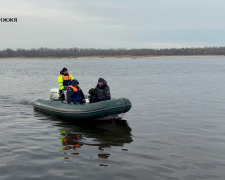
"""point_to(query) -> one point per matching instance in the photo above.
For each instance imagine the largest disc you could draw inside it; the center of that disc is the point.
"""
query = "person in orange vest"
(74, 93)
(64, 81)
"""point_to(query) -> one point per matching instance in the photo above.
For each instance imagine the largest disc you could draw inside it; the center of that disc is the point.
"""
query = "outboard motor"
(54, 94)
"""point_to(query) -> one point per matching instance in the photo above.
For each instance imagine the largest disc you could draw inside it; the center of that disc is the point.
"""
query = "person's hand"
(65, 87)
(71, 103)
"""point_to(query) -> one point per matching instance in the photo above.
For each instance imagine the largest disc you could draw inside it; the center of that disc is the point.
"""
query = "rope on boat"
(122, 115)
(123, 105)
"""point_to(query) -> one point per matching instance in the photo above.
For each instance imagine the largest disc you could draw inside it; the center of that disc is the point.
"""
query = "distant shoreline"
(110, 57)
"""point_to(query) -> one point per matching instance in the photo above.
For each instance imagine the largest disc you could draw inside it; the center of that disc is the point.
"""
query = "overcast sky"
(112, 23)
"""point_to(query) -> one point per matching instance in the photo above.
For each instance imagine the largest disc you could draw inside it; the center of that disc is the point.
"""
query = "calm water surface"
(175, 129)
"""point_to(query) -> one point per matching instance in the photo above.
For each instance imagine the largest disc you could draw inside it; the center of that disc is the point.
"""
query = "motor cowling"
(54, 94)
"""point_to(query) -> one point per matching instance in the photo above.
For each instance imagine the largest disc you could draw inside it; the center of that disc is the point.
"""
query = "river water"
(175, 129)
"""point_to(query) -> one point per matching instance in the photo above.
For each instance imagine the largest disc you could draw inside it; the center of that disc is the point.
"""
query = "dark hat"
(74, 82)
(64, 69)
(93, 91)
(100, 80)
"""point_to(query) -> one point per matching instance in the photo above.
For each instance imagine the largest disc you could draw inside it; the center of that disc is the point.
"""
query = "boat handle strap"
(123, 105)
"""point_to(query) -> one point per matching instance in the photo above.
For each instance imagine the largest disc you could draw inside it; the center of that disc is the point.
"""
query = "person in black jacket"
(74, 94)
(103, 90)
(93, 95)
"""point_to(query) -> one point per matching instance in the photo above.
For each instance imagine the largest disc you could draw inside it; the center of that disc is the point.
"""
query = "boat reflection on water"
(105, 134)
(74, 135)
(70, 141)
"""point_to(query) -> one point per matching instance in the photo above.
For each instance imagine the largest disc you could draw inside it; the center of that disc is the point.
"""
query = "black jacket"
(103, 92)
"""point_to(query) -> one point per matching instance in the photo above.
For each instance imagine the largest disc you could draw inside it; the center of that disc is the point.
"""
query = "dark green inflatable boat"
(104, 110)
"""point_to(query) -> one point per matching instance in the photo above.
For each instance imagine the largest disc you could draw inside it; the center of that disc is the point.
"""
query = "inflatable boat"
(103, 110)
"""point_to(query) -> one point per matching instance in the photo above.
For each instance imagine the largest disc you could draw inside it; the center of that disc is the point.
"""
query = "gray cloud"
(111, 24)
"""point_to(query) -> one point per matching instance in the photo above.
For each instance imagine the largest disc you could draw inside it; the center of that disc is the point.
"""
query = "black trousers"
(61, 96)
(79, 102)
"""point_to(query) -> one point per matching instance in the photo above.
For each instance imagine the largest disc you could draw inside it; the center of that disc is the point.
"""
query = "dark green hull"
(101, 110)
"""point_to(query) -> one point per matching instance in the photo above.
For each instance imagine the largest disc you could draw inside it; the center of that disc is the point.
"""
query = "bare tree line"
(79, 52)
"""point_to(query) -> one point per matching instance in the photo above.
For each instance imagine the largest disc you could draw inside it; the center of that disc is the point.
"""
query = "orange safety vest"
(66, 78)
(74, 88)
(76, 96)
